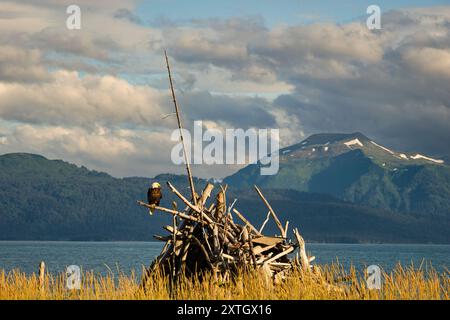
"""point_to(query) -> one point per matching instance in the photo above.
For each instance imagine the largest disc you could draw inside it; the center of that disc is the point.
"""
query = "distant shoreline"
(308, 242)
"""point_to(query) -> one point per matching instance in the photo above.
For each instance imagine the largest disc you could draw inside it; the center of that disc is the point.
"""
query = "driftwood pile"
(218, 238)
(209, 237)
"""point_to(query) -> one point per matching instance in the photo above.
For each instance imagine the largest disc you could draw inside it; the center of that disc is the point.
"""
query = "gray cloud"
(402, 99)
(73, 43)
(21, 66)
(236, 112)
(127, 14)
(73, 101)
(390, 84)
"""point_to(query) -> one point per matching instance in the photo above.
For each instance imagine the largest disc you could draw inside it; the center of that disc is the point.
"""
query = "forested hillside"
(53, 200)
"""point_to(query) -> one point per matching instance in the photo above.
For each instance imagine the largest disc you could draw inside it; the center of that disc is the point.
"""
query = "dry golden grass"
(402, 283)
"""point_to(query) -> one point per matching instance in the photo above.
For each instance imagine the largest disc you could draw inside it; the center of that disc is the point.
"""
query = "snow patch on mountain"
(384, 148)
(419, 156)
(353, 143)
(404, 156)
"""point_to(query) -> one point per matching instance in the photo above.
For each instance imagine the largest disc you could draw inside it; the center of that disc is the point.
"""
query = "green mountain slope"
(354, 168)
(53, 200)
(325, 218)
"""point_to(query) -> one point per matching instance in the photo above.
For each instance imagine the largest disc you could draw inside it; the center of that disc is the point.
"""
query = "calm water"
(105, 257)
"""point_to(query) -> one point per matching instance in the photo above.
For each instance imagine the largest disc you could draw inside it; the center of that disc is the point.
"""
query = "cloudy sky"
(96, 96)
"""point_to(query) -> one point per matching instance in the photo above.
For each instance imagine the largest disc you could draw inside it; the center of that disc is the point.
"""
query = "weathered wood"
(206, 194)
(203, 249)
(281, 254)
(220, 205)
(190, 205)
(231, 206)
(41, 275)
(170, 229)
(244, 235)
(228, 256)
(252, 253)
(191, 227)
(164, 249)
(265, 222)
(304, 261)
(281, 264)
(268, 241)
(180, 127)
(259, 250)
(244, 220)
(161, 238)
(264, 258)
(211, 240)
(236, 229)
(175, 251)
(274, 216)
(172, 212)
(286, 229)
(216, 241)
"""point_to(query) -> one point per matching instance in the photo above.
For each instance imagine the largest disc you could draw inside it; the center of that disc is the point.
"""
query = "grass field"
(401, 283)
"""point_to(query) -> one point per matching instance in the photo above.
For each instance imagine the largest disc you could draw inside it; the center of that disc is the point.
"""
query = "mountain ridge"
(342, 198)
(343, 142)
(355, 168)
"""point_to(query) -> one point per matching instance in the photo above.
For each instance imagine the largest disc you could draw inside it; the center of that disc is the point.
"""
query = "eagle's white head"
(156, 185)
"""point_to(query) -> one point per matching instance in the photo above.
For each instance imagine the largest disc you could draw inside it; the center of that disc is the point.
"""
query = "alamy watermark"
(73, 277)
(373, 279)
(373, 22)
(73, 21)
(234, 146)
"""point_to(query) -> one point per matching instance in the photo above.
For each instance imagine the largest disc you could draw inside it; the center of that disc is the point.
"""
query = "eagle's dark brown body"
(154, 196)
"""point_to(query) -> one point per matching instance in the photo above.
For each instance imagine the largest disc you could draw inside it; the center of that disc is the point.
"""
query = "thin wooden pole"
(281, 254)
(247, 223)
(265, 222)
(172, 212)
(174, 272)
(180, 127)
(274, 216)
(41, 276)
(252, 252)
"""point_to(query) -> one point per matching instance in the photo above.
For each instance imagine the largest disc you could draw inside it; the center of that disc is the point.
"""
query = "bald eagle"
(154, 196)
